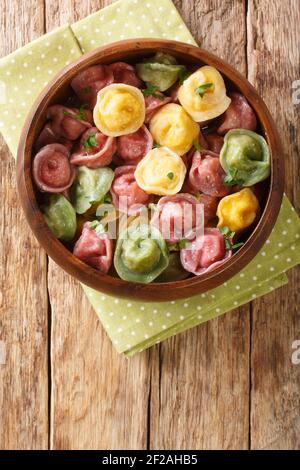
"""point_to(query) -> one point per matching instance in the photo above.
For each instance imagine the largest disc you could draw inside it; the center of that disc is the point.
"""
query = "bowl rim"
(154, 291)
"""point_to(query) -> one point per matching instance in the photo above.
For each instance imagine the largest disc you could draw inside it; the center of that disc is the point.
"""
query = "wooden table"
(228, 384)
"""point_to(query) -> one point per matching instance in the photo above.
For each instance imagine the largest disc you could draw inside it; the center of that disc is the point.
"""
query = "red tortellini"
(169, 150)
(205, 253)
(207, 175)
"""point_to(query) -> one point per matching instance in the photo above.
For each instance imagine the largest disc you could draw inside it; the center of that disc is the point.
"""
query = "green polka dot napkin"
(134, 325)
(25, 72)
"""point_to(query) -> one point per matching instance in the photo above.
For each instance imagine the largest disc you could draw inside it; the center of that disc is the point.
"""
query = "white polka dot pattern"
(134, 326)
(26, 72)
(136, 18)
(161, 320)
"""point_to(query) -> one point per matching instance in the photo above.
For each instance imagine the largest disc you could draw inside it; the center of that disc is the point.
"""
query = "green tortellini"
(161, 71)
(141, 254)
(90, 187)
(60, 217)
(174, 271)
(245, 158)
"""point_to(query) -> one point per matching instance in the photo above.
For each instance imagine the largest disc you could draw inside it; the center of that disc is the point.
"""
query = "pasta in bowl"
(168, 174)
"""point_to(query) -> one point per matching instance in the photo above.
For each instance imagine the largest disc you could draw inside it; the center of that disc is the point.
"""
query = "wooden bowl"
(58, 90)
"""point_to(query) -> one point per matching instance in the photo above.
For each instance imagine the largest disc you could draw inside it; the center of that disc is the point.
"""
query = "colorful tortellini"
(207, 175)
(128, 178)
(205, 253)
(245, 157)
(94, 246)
(178, 217)
(90, 187)
(161, 71)
(60, 217)
(238, 211)
(172, 127)
(120, 110)
(161, 172)
(141, 254)
(52, 170)
(126, 194)
(203, 94)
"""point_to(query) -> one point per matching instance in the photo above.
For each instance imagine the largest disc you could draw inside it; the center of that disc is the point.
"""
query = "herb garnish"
(197, 145)
(107, 198)
(228, 236)
(156, 145)
(97, 226)
(151, 91)
(80, 116)
(87, 89)
(90, 141)
(182, 243)
(231, 179)
(183, 75)
(200, 90)
(170, 175)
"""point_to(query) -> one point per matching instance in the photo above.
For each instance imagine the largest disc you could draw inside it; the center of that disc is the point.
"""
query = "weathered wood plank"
(23, 301)
(273, 59)
(99, 399)
(200, 388)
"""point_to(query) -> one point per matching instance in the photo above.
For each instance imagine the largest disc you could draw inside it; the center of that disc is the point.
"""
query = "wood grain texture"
(23, 291)
(200, 386)
(193, 391)
(56, 91)
(99, 398)
(273, 62)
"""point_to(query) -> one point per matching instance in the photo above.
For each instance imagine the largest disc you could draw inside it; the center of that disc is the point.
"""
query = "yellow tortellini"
(203, 94)
(238, 211)
(161, 172)
(172, 127)
(120, 109)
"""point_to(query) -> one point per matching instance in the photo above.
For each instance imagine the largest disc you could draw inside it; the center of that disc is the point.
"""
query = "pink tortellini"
(207, 175)
(127, 196)
(178, 217)
(238, 115)
(91, 80)
(95, 149)
(94, 247)
(205, 253)
(131, 148)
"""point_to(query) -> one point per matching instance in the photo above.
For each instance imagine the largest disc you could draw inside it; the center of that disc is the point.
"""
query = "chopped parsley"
(228, 236)
(87, 89)
(232, 179)
(66, 113)
(182, 243)
(107, 198)
(170, 175)
(80, 116)
(183, 75)
(200, 90)
(197, 145)
(156, 145)
(90, 142)
(151, 90)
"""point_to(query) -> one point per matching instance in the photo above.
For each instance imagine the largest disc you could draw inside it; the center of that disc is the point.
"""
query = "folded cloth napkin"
(134, 325)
